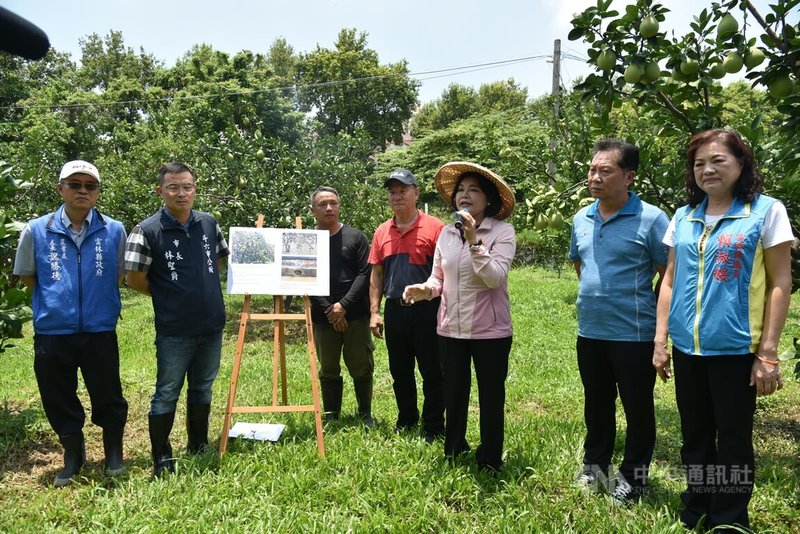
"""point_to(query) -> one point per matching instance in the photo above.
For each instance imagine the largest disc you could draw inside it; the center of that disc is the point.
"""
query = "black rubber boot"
(363, 389)
(160, 426)
(74, 458)
(197, 427)
(331, 398)
(112, 445)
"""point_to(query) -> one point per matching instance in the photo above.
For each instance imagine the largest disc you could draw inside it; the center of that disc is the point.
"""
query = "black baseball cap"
(403, 176)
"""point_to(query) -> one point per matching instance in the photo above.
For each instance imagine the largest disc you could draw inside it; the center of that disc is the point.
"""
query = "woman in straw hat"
(470, 272)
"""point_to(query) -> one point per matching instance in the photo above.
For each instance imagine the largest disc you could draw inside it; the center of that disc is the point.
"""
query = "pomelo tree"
(687, 95)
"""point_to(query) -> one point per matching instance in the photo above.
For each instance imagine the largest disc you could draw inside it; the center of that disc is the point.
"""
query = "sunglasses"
(76, 186)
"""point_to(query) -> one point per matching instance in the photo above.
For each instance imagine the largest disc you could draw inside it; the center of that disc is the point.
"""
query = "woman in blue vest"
(723, 301)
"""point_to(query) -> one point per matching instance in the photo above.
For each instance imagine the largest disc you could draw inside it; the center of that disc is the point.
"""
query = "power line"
(421, 76)
(478, 69)
(490, 64)
(577, 54)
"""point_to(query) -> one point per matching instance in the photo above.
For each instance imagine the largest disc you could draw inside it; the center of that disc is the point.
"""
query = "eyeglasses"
(77, 186)
(174, 188)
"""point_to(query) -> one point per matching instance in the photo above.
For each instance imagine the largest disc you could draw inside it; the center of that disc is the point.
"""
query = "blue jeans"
(194, 357)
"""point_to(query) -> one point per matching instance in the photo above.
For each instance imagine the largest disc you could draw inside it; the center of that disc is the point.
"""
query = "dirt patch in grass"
(31, 454)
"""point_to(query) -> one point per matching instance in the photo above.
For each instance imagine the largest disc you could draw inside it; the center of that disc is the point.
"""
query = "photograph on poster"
(278, 261)
(299, 258)
(251, 246)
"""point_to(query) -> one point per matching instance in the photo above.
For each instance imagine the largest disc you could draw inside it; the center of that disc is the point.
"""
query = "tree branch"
(774, 36)
(680, 115)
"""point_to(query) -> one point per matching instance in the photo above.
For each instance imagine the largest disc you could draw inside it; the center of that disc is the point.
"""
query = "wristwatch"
(474, 246)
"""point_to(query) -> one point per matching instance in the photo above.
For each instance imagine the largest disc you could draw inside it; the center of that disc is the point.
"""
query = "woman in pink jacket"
(470, 272)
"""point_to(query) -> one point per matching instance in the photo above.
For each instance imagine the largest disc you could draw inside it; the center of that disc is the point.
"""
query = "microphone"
(458, 224)
(21, 38)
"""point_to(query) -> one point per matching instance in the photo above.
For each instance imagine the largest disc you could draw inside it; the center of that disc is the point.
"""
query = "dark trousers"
(716, 403)
(411, 335)
(491, 368)
(57, 359)
(608, 367)
(354, 345)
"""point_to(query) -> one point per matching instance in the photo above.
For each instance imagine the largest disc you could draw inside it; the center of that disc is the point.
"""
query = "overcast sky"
(433, 35)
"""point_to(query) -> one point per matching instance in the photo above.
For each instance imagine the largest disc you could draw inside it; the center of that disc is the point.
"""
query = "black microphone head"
(20, 37)
(458, 224)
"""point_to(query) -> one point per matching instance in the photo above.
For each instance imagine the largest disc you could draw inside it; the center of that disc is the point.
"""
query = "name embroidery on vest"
(728, 260)
(172, 259)
(53, 258)
(98, 256)
(207, 248)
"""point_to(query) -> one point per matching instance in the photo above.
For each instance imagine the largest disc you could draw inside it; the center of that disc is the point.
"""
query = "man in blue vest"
(72, 260)
(617, 251)
(174, 256)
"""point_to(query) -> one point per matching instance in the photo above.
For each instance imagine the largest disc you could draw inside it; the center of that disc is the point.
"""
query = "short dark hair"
(494, 202)
(750, 183)
(628, 152)
(322, 189)
(174, 167)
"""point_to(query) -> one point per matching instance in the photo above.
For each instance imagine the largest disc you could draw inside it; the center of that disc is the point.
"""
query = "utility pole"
(556, 90)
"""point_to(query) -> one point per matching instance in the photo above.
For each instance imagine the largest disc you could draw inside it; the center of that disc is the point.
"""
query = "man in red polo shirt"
(402, 254)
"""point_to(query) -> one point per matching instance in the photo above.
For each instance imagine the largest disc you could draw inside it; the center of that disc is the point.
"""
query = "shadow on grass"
(23, 447)
(775, 429)
(33, 454)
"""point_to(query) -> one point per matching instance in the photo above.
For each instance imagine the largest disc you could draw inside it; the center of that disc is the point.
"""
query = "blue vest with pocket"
(719, 288)
(77, 290)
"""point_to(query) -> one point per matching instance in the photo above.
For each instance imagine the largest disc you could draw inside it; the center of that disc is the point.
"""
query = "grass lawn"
(370, 480)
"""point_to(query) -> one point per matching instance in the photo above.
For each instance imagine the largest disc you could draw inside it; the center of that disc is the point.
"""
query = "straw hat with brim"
(447, 176)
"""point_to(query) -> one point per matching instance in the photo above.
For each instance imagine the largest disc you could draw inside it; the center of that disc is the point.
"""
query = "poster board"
(261, 255)
(278, 261)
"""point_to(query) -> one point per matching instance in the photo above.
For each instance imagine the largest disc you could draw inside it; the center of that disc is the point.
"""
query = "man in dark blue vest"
(72, 261)
(174, 256)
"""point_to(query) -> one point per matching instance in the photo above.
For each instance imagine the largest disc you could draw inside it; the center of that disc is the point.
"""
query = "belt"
(400, 302)
(404, 304)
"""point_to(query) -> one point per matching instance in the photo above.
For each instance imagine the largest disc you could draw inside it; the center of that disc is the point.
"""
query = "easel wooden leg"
(312, 361)
(237, 362)
(284, 381)
(278, 344)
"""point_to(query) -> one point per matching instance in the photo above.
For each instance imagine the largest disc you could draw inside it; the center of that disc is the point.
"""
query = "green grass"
(369, 481)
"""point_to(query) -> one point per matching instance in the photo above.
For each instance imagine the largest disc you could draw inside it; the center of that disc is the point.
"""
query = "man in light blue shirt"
(616, 249)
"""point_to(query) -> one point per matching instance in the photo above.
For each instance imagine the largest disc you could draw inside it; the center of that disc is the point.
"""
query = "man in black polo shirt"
(402, 254)
(341, 320)
(174, 255)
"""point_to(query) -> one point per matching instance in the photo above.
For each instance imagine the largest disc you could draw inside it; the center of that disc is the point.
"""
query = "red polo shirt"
(407, 257)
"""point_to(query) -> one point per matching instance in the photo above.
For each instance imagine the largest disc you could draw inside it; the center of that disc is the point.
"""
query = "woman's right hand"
(765, 377)
(661, 361)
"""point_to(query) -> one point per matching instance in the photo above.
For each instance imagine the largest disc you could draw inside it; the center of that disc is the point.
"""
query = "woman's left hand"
(765, 377)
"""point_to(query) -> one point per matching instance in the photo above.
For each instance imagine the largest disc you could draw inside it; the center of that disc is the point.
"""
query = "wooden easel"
(278, 363)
